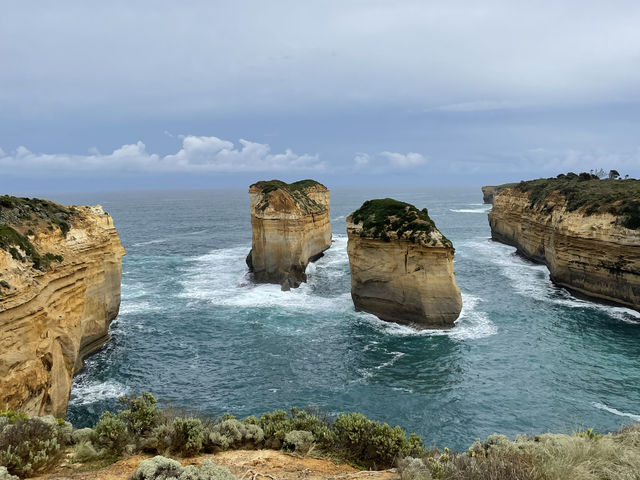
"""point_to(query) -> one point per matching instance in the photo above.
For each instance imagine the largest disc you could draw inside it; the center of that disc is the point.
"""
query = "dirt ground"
(245, 464)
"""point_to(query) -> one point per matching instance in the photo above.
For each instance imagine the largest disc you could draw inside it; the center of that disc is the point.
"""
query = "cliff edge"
(60, 272)
(291, 226)
(585, 230)
(401, 265)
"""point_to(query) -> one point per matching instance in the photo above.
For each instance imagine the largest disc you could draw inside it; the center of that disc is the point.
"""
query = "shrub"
(141, 413)
(159, 440)
(368, 442)
(300, 441)
(85, 452)
(158, 468)
(5, 475)
(231, 433)
(13, 415)
(188, 436)
(111, 433)
(83, 435)
(161, 468)
(28, 447)
(277, 424)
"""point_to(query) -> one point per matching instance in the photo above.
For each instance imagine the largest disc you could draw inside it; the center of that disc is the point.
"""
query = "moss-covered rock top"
(588, 193)
(388, 219)
(284, 196)
(23, 217)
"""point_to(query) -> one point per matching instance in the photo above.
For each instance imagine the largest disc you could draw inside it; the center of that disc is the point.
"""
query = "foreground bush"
(581, 456)
(188, 436)
(161, 468)
(233, 434)
(372, 444)
(29, 446)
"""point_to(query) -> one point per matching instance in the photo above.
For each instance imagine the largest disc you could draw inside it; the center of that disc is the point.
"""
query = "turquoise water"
(524, 357)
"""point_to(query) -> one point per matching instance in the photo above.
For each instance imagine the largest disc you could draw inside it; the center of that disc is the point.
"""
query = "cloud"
(199, 154)
(387, 161)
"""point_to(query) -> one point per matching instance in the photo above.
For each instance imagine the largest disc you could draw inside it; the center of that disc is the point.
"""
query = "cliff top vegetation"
(386, 218)
(20, 217)
(297, 191)
(32, 446)
(619, 197)
(18, 211)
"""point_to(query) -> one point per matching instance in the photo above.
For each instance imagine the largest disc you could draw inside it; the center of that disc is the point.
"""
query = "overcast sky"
(158, 94)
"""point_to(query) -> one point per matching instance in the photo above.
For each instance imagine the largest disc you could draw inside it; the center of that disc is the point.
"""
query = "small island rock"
(401, 265)
(291, 227)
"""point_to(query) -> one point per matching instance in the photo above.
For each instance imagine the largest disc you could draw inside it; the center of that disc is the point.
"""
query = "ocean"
(525, 356)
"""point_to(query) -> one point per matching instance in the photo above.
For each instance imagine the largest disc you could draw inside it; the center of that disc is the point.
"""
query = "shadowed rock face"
(291, 227)
(589, 254)
(488, 192)
(53, 316)
(401, 266)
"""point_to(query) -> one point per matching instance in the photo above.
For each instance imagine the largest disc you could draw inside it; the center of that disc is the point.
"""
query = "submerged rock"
(290, 226)
(401, 265)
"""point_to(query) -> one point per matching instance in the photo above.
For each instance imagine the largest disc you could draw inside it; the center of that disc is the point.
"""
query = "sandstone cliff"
(488, 193)
(291, 227)
(59, 291)
(579, 231)
(401, 265)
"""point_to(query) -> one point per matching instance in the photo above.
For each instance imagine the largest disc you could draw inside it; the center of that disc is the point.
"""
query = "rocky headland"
(585, 230)
(401, 265)
(60, 272)
(291, 227)
(488, 192)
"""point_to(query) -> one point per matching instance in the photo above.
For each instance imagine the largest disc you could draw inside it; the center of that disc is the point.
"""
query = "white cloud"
(199, 154)
(400, 160)
(387, 161)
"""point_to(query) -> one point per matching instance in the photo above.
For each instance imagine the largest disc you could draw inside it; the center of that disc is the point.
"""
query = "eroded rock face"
(57, 311)
(401, 266)
(291, 227)
(592, 255)
(488, 193)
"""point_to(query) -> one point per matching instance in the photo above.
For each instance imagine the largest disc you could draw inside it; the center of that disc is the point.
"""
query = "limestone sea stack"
(291, 227)
(401, 265)
(60, 272)
(585, 230)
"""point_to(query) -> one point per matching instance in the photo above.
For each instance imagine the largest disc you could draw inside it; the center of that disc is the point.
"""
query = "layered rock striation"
(60, 272)
(585, 230)
(401, 265)
(291, 227)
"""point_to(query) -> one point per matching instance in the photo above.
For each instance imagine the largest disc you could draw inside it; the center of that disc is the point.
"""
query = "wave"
(532, 280)
(151, 242)
(88, 392)
(221, 278)
(339, 217)
(469, 210)
(602, 406)
(472, 324)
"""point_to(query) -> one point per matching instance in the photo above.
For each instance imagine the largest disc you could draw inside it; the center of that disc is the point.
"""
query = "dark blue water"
(524, 357)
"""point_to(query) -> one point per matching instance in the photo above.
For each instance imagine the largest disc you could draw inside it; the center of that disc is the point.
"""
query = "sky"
(209, 94)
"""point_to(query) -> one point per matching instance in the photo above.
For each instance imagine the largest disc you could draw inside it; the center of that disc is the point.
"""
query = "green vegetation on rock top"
(297, 190)
(25, 211)
(385, 216)
(267, 186)
(618, 197)
(25, 214)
